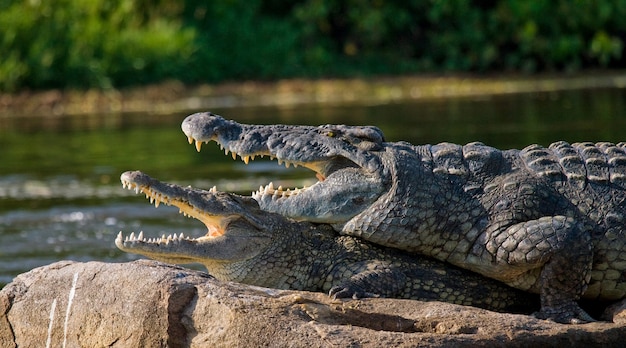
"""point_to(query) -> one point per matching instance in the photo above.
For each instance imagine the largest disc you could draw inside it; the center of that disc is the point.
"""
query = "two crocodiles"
(464, 224)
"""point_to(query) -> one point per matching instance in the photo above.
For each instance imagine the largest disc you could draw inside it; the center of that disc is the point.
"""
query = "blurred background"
(89, 89)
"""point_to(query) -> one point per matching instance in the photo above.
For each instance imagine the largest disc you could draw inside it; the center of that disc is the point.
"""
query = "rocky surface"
(150, 304)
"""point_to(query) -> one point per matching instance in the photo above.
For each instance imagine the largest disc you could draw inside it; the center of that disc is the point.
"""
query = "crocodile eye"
(331, 134)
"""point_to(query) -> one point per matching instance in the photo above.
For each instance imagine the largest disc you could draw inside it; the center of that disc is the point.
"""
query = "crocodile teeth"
(164, 239)
(190, 139)
(269, 190)
(131, 238)
(198, 145)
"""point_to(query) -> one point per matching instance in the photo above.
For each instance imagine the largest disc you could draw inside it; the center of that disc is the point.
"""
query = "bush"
(466, 35)
(236, 41)
(104, 44)
(97, 43)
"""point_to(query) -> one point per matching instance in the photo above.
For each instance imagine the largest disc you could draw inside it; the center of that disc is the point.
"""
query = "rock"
(150, 304)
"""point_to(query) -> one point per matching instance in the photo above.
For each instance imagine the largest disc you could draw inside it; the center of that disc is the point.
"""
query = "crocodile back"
(579, 163)
(473, 160)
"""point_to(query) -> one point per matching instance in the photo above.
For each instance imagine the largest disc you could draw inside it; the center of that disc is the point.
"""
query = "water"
(60, 196)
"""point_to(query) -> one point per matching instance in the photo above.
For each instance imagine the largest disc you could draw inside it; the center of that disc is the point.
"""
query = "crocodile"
(547, 220)
(248, 245)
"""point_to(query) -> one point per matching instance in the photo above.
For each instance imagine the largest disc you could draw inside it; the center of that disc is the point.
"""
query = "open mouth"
(322, 168)
(215, 224)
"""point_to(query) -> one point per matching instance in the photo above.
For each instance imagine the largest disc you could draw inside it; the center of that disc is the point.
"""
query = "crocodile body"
(545, 220)
(248, 245)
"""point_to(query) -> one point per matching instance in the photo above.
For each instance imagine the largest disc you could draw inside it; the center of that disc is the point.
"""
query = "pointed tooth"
(190, 139)
(252, 157)
(270, 186)
(132, 236)
(280, 188)
(181, 236)
(287, 164)
(157, 202)
(213, 189)
(280, 162)
(245, 159)
(140, 236)
(136, 190)
(234, 155)
(198, 145)
(120, 235)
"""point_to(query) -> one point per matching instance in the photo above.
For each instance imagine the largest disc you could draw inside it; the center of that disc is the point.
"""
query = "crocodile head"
(344, 159)
(235, 230)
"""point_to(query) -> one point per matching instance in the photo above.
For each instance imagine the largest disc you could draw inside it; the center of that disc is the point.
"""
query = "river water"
(60, 196)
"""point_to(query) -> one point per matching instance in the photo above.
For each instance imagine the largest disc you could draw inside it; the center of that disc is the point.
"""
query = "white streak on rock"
(69, 307)
(53, 308)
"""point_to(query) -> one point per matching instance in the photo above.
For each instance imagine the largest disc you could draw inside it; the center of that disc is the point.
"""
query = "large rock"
(150, 304)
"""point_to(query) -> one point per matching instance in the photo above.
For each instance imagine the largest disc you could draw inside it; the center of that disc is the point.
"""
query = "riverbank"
(171, 97)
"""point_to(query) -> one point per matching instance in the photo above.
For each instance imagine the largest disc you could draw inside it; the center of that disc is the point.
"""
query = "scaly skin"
(248, 245)
(545, 220)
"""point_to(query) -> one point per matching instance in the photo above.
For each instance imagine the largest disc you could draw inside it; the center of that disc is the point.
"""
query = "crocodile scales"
(544, 220)
(248, 245)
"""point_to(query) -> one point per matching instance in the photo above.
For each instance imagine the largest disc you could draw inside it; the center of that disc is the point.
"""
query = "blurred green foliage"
(104, 44)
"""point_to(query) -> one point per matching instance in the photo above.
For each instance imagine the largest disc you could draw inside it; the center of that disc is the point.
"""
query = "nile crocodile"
(545, 220)
(248, 245)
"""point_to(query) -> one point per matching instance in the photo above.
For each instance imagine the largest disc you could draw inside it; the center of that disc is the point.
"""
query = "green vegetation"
(105, 44)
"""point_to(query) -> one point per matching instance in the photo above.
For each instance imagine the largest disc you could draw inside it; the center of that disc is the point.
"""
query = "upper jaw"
(316, 148)
(213, 208)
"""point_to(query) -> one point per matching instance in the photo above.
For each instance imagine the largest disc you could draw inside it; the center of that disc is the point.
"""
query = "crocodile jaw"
(349, 173)
(230, 237)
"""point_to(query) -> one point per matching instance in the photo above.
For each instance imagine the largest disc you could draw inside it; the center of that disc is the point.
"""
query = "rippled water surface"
(60, 196)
